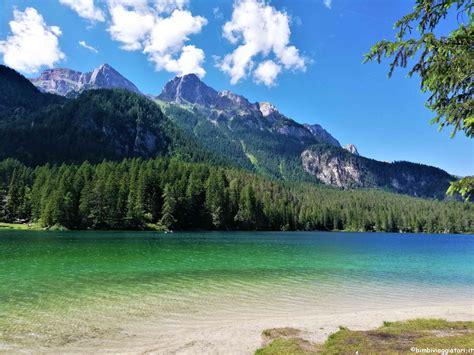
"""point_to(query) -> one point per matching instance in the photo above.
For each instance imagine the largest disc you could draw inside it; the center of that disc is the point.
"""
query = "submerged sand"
(242, 335)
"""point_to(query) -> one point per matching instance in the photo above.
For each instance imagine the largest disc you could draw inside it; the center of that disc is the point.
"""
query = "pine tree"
(216, 199)
(169, 208)
(247, 214)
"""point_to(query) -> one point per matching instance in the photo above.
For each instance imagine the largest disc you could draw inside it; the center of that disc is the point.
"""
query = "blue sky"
(315, 76)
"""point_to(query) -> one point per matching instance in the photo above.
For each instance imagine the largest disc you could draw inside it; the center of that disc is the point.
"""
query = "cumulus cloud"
(85, 8)
(267, 72)
(89, 47)
(130, 27)
(259, 30)
(189, 61)
(169, 34)
(327, 3)
(159, 28)
(32, 44)
(168, 6)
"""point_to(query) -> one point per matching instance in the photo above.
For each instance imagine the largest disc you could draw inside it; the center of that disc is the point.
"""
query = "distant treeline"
(171, 194)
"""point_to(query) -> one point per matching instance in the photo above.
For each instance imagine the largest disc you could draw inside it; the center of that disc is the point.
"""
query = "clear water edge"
(58, 288)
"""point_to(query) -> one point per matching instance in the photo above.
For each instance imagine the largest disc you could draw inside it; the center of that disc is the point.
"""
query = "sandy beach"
(243, 336)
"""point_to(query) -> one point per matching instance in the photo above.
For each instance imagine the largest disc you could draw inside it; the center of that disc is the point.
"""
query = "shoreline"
(36, 228)
(244, 336)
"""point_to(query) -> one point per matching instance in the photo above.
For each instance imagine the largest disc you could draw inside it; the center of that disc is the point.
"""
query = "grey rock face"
(334, 170)
(268, 110)
(291, 128)
(67, 82)
(228, 107)
(351, 148)
(189, 89)
(58, 81)
(321, 134)
(338, 167)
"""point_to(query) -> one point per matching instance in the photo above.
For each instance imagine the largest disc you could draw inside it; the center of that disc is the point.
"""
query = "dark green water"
(59, 287)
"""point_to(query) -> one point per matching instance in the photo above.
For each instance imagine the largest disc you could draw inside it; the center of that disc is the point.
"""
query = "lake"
(144, 290)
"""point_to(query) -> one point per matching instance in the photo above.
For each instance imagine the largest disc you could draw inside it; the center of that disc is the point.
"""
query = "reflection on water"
(56, 288)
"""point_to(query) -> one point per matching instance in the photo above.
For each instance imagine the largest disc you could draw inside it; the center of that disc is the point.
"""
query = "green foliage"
(399, 176)
(288, 347)
(172, 194)
(38, 128)
(210, 135)
(392, 337)
(444, 63)
(169, 208)
(242, 143)
(400, 337)
(465, 187)
(19, 98)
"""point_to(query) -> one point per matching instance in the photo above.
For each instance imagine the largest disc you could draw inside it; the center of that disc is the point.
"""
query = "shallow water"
(57, 288)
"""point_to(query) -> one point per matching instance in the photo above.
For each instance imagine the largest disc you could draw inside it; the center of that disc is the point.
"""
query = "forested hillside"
(239, 141)
(256, 136)
(19, 98)
(170, 194)
(198, 124)
(341, 168)
(39, 128)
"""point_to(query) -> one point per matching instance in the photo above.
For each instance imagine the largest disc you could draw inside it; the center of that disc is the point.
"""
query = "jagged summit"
(67, 82)
(189, 89)
(322, 134)
(221, 126)
(351, 148)
(267, 108)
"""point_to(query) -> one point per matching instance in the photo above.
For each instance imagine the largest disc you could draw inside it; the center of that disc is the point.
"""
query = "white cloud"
(85, 45)
(32, 43)
(168, 6)
(327, 3)
(85, 8)
(189, 61)
(130, 27)
(267, 72)
(170, 33)
(160, 29)
(261, 30)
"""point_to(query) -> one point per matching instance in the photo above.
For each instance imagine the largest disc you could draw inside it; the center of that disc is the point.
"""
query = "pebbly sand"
(242, 335)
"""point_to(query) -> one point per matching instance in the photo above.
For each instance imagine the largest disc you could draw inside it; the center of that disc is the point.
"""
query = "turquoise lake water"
(59, 287)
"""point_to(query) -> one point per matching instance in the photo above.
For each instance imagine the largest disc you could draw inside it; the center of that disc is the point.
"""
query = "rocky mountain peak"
(58, 81)
(63, 81)
(188, 89)
(106, 77)
(351, 148)
(322, 135)
(236, 99)
(267, 108)
(59, 72)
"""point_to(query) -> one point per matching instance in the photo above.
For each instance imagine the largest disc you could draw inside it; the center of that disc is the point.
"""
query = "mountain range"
(69, 83)
(66, 116)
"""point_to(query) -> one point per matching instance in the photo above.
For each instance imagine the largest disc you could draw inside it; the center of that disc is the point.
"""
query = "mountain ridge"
(275, 144)
(225, 105)
(68, 82)
(256, 136)
(96, 125)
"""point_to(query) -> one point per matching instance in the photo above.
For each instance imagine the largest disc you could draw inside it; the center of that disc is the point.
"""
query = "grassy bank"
(392, 337)
(19, 226)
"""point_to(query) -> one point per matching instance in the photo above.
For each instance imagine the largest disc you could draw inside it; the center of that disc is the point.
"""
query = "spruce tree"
(169, 208)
